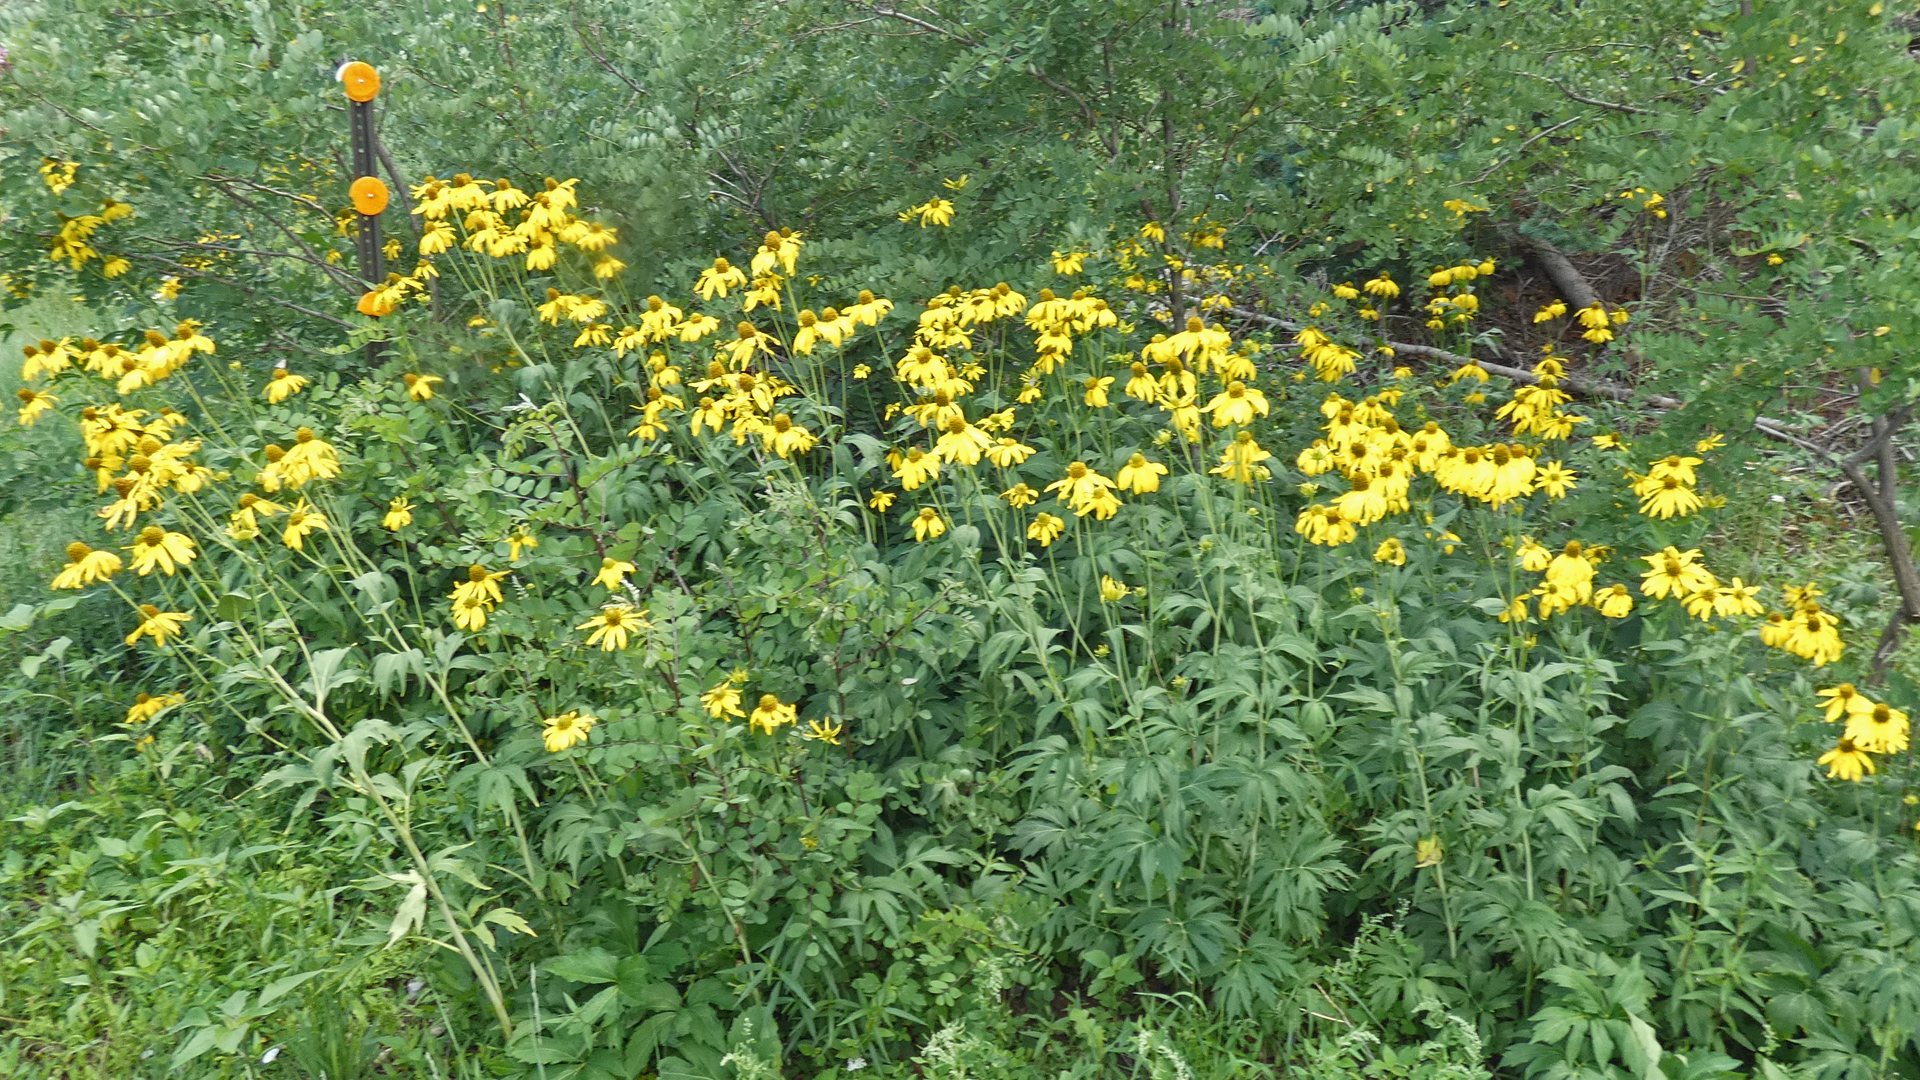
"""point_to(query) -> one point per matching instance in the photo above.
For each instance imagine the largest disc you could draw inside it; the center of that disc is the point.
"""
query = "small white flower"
(856, 1064)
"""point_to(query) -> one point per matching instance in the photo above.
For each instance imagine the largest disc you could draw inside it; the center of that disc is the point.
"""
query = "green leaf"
(281, 987)
(595, 965)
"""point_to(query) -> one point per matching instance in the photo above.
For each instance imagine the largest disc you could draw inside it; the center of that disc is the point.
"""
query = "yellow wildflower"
(566, 730)
(85, 566)
(1843, 700)
(155, 547)
(399, 514)
(717, 279)
(613, 624)
(1614, 601)
(1882, 729)
(1237, 404)
(284, 385)
(722, 701)
(1140, 476)
(1847, 761)
(1675, 573)
(1009, 452)
(771, 714)
(302, 520)
(928, 524)
(33, 404)
(157, 624)
(1046, 528)
(420, 387)
(146, 707)
(1083, 489)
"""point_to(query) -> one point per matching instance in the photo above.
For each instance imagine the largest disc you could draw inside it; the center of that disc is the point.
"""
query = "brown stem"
(1584, 100)
(406, 201)
(1889, 642)
(1906, 578)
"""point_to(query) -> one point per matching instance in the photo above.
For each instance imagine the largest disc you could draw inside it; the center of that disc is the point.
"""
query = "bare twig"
(1906, 578)
(587, 42)
(230, 283)
(1595, 102)
(337, 276)
(399, 182)
(1571, 383)
(971, 42)
(307, 201)
(1536, 137)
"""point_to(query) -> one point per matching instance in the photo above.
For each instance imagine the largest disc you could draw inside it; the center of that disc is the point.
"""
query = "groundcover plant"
(932, 647)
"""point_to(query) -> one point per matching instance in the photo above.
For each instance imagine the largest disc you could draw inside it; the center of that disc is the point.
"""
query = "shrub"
(756, 684)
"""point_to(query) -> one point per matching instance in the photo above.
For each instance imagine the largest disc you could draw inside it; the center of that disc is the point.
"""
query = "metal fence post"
(362, 85)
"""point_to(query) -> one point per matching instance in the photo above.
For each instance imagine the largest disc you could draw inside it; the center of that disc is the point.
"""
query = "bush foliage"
(1053, 596)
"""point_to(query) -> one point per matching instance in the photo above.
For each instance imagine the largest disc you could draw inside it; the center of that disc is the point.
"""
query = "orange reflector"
(361, 81)
(369, 195)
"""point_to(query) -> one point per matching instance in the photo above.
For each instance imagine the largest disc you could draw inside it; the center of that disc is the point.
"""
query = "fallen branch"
(1566, 277)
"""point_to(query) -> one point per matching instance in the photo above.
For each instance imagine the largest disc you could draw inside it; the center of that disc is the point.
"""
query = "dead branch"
(1565, 276)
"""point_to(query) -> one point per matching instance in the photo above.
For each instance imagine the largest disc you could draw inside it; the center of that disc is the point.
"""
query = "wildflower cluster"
(1535, 409)
(1871, 727)
(1809, 632)
(1460, 307)
(73, 243)
(501, 221)
(982, 375)
(769, 714)
(1380, 460)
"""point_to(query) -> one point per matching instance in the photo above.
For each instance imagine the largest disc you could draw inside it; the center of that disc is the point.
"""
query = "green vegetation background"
(176, 916)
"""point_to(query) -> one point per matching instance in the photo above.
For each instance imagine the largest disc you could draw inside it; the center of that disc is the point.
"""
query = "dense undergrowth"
(576, 657)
